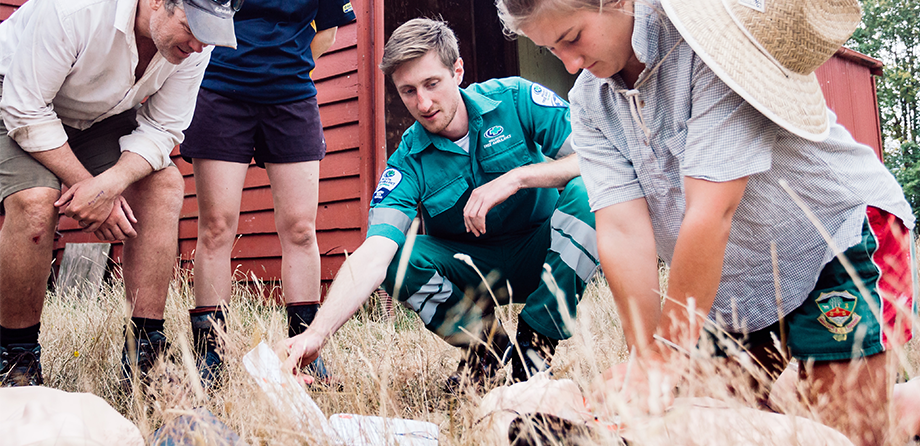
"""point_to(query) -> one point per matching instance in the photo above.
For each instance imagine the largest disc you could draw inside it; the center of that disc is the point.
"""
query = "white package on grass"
(288, 396)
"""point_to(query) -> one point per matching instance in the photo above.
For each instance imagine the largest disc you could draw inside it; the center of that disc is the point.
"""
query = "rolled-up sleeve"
(609, 175)
(36, 72)
(164, 116)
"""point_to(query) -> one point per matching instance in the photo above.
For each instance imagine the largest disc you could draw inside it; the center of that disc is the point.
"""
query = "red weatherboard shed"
(848, 82)
(360, 131)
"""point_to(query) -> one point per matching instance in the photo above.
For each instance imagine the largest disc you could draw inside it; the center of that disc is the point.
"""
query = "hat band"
(786, 72)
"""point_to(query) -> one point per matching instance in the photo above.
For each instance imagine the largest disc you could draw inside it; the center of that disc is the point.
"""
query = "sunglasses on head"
(234, 4)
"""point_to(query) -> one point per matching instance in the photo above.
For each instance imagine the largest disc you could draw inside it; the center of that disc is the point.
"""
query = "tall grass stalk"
(389, 363)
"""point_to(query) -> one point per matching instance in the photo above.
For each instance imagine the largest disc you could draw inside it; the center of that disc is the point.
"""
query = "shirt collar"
(126, 17)
(476, 106)
(646, 30)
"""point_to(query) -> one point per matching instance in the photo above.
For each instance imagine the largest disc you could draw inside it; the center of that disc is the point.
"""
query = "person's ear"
(458, 70)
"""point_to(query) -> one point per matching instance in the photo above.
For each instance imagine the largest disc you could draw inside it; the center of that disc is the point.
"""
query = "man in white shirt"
(96, 93)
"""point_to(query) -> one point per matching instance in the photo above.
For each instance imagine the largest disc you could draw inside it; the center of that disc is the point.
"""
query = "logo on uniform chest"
(494, 135)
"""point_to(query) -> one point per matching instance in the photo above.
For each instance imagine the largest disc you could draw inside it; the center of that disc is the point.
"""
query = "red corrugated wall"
(848, 82)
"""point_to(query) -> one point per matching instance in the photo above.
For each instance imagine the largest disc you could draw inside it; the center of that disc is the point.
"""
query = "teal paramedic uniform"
(512, 122)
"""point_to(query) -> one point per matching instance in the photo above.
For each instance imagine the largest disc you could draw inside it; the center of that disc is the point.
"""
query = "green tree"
(890, 32)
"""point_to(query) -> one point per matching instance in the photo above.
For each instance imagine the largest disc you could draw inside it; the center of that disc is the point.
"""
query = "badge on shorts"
(837, 313)
(541, 95)
(346, 8)
(388, 181)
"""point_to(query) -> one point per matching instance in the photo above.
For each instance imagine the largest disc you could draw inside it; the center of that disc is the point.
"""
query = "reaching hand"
(302, 350)
(119, 224)
(486, 197)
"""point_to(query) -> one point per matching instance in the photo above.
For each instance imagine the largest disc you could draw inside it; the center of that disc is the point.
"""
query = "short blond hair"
(416, 38)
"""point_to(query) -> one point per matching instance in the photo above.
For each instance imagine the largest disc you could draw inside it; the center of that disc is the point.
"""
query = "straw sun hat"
(767, 51)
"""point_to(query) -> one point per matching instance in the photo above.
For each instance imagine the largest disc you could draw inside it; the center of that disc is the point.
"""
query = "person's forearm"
(626, 245)
(357, 279)
(322, 41)
(555, 173)
(63, 164)
(695, 272)
(130, 168)
(699, 253)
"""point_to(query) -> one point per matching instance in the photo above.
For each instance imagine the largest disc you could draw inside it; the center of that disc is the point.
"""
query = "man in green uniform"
(475, 165)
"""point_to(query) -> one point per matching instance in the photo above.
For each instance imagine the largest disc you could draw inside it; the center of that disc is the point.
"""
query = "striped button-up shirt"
(680, 121)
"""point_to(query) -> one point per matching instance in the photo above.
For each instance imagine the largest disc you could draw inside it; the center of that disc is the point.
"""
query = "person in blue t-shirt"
(259, 101)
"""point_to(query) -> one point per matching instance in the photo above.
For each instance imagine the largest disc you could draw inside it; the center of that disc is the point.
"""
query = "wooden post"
(82, 267)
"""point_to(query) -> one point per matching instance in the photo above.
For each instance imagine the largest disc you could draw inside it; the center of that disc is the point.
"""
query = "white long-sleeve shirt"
(72, 62)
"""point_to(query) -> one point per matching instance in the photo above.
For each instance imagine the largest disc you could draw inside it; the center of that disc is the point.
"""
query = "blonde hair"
(415, 39)
(515, 14)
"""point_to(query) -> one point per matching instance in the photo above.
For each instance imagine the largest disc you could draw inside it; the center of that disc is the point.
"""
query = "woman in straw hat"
(704, 140)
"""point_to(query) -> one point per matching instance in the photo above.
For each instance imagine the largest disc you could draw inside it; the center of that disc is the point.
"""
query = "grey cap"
(211, 21)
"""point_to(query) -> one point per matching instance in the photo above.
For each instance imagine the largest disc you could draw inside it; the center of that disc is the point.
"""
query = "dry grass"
(390, 367)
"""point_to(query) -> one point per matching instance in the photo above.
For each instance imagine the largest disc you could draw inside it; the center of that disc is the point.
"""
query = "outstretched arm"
(359, 276)
(547, 174)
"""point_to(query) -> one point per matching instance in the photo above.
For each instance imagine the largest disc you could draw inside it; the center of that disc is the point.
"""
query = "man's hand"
(119, 224)
(486, 197)
(302, 350)
(90, 201)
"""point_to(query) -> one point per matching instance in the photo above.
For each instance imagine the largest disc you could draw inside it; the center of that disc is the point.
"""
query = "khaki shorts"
(96, 148)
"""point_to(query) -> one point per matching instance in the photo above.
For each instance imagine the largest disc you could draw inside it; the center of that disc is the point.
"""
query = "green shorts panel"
(837, 321)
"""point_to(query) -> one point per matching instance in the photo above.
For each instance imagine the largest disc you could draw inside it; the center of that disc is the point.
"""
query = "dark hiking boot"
(208, 358)
(20, 365)
(300, 316)
(480, 366)
(141, 356)
(536, 352)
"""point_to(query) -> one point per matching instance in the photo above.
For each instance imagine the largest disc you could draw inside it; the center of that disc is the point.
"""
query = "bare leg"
(905, 402)
(851, 396)
(219, 185)
(295, 190)
(150, 258)
(26, 241)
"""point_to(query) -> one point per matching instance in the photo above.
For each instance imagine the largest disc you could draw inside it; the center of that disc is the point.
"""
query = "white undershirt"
(464, 142)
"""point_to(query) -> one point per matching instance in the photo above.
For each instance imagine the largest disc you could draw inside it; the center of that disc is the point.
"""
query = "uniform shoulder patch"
(388, 181)
(541, 95)
(346, 8)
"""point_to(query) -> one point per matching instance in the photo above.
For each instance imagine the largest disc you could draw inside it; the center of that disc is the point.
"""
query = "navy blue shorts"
(226, 129)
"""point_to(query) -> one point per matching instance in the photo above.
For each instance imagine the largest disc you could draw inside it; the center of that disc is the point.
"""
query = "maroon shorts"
(226, 129)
